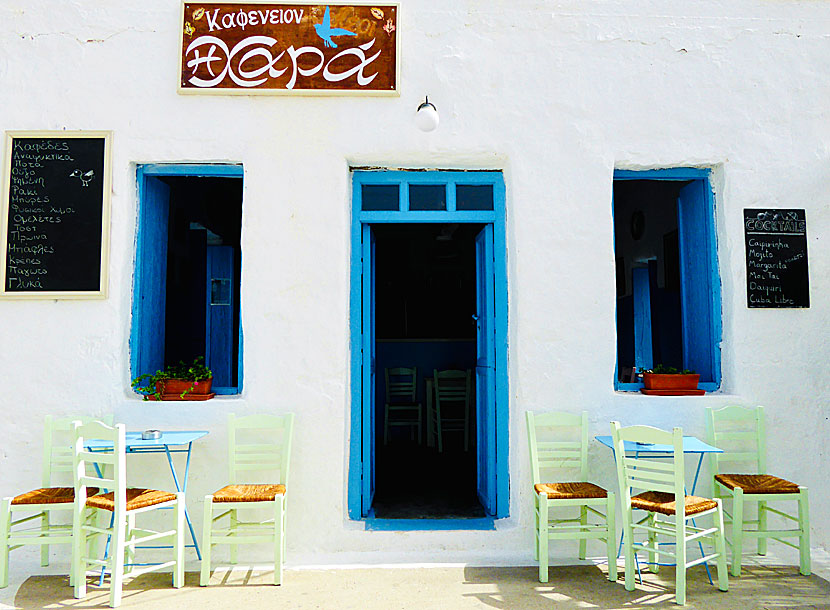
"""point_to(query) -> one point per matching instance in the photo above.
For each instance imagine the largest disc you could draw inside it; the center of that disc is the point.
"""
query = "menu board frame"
(186, 28)
(103, 285)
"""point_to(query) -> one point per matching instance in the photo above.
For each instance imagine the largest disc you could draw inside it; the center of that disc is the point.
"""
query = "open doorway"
(425, 306)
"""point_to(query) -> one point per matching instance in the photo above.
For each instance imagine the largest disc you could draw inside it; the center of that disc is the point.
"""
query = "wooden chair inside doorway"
(402, 407)
(451, 407)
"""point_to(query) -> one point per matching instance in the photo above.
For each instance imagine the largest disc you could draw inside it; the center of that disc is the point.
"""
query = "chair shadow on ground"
(760, 588)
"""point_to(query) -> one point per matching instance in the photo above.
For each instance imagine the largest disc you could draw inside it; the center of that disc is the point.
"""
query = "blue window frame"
(673, 318)
(431, 197)
(215, 328)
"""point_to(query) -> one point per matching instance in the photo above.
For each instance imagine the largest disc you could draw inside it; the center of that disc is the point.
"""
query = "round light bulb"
(426, 118)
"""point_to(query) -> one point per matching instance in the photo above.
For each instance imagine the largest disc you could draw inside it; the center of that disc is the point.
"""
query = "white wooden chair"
(122, 504)
(559, 442)
(255, 443)
(35, 526)
(740, 432)
(662, 481)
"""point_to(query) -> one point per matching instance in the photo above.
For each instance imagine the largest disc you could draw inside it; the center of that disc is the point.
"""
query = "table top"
(134, 440)
(691, 444)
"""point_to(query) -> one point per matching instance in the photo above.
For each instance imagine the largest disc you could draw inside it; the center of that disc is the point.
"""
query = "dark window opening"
(649, 309)
(425, 278)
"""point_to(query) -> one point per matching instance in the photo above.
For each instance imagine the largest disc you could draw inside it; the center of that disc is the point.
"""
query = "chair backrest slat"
(557, 440)
(259, 443)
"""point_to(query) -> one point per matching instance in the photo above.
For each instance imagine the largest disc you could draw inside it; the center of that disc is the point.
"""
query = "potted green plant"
(180, 381)
(667, 380)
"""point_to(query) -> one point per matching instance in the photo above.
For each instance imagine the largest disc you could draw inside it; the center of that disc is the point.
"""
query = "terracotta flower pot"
(658, 381)
(172, 389)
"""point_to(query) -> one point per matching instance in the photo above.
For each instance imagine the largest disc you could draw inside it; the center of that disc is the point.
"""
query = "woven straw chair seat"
(758, 483)
(249, 493)
(662, 502)
(571, 490)
(50, 495)
(136, 498)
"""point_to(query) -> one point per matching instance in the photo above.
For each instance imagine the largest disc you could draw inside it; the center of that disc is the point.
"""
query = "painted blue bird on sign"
(325, 31)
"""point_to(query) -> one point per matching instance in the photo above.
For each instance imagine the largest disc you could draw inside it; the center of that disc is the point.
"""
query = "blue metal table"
(170, 442)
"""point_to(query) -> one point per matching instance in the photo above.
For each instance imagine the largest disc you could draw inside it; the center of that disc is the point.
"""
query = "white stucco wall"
(555, 94)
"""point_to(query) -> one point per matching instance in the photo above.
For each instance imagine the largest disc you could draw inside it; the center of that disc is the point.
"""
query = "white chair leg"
(278, 538)
(583, 521)
(628, 546)
(79, 543)
(611, 535)
(44, 548)
(207, 526)
(543, 537)
(804, 538)
(737, 529)
(653, 556)
(119, 536)
(720, 549)
(5, 527)
(680, 560)
(234, 531)
(762, 527)
(178, 544)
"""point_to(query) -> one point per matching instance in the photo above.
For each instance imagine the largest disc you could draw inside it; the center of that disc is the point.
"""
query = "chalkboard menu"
(776, 258)
(54, 223)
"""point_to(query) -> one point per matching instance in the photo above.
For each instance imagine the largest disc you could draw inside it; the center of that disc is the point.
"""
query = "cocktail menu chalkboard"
(55, 215)
(776, 258)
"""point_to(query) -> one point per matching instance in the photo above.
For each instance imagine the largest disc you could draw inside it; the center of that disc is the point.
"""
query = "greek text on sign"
(254, 47)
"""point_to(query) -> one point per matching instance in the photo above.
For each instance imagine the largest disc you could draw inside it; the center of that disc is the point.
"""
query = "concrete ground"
(768, 583)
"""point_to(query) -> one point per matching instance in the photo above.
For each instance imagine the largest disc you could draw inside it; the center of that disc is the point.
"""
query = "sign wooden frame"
(393, 92)
(103, 285)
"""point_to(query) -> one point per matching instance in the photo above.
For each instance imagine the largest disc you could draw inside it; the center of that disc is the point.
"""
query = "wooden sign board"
(261, 47)
(55, 215)
(776, 258)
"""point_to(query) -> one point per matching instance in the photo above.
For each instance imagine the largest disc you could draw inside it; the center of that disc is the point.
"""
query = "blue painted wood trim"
(498, 218)
(715, 283)
(149, 170)
(427, 177)
(502, 377)
(635, 387)
(212, 170)
(670, 173)
(355, 349)
(412, 525)
(711, 246)
(445, 216)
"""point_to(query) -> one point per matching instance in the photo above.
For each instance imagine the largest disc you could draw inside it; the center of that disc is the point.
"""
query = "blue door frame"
(149, 282)
(361, 456)
(700, 279)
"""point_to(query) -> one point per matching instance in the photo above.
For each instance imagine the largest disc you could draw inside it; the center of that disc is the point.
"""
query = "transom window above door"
(469, 192)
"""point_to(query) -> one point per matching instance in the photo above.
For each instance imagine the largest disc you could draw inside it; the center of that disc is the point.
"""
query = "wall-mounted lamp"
(426, 117)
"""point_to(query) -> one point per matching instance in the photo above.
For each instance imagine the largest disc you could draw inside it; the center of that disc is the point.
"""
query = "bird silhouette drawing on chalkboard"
(84, 177)
(325, 31)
